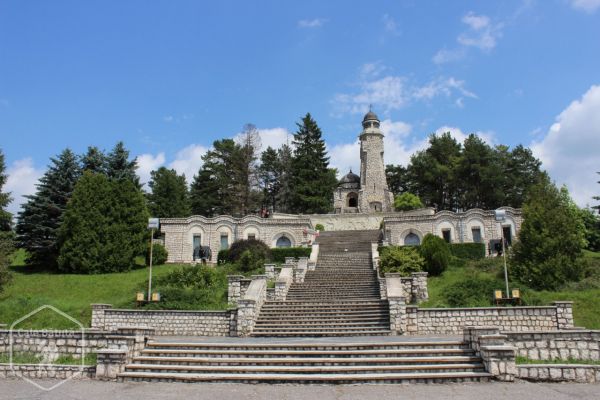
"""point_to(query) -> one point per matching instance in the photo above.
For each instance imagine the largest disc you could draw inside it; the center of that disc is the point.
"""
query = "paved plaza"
(14, 389)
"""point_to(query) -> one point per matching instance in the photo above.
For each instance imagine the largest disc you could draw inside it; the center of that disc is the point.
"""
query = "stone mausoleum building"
(361, 202)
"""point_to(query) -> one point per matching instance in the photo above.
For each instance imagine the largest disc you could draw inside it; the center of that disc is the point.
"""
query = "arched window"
(283, 241)
(412, 240)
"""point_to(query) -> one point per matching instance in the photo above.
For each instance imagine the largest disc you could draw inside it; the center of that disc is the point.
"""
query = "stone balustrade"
(283, 283)
(249, 306)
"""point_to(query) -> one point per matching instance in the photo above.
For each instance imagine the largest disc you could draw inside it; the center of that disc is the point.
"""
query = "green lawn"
(70, 293)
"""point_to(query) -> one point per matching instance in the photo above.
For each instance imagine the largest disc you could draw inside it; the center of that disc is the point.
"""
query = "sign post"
(500, 217)
(153, 224)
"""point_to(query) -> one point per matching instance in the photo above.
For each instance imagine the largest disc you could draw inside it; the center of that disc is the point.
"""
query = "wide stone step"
(292, 317)
(296, 333)
(311, 369)
(309, 378)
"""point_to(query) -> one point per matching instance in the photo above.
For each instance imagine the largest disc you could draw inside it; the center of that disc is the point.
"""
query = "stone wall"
(168, 322)
(460, 225)
(41, 371)
(451, 321)
(179, 232)
(551, 345)
(580, 373)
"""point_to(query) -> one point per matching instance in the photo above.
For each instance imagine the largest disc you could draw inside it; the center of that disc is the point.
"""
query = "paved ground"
(75, 390)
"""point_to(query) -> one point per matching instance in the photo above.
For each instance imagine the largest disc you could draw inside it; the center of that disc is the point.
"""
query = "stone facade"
(369, 192)
(463, 227)
(168, 322)
(180, 233)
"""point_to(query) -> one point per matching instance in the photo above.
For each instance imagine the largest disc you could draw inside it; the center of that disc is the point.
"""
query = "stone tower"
(374, 195)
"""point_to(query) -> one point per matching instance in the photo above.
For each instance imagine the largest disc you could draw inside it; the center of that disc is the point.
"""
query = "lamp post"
(501, 217)
(153, 224)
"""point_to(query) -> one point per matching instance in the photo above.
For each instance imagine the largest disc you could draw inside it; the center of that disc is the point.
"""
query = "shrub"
(278, 255)
(258, 248)
(468, 251)
(436, 254)
(320, 228)
(159, 254)
(407, 201)
(223, 256)
(403, 260)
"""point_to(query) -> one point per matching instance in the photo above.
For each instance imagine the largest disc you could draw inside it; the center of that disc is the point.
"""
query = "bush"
(223, 256)
(320, 228)
(159, 254)
(468, 251)
(403, 260)
(278, 255)
(407, 201)
(436, 254)
(258, 248)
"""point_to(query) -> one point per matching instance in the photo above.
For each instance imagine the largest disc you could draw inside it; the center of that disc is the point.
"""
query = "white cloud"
(394, 92)
(148, 163)
(476, 22)
(312, 23)
(274, 137)
(569, 151)
(22, 177)
(444, 55)
(390, 25)
(189, 160)
(589, 6)
(460, 136)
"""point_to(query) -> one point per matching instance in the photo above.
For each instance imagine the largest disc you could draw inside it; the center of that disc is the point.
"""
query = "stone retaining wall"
(560, 372)
(551, 345)
(167, 322)
(36, 371)
(451, 321)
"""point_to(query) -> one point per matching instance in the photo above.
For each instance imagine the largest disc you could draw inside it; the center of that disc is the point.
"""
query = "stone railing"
(451, 321)
(396, 296)
(498, 357)
(314, 253)
(166, 322)
(300, 270)
(249, 305)
(283, 283)
(236, 288)
(552, 345)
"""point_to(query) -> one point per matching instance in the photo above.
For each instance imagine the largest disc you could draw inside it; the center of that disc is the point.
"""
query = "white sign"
(153, 223)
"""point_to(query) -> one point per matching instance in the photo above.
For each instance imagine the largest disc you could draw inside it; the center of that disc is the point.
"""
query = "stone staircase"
(339, 298)
(343, 361)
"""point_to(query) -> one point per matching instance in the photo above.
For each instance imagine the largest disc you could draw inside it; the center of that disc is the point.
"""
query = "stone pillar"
(564, 314)
(98, 315)
(314, 253)
(110, 363)
(234, 288)
(498, 357)
(270, 271)
(419, 286)
(397, 298)
(249, 306)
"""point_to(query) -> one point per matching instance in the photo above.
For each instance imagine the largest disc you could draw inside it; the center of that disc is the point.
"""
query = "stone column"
(564, 314)
(396, 296)
(110, 363)
(419, 286)
(234, 288)
(270, 271)
(98, 315)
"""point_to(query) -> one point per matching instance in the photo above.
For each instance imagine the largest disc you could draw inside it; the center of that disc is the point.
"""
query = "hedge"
(468, 251)
(279, 254)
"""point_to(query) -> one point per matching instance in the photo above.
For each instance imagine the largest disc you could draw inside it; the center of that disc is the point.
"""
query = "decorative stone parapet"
(249, 306)
(47, 371)
(551, 345)
(419, 290)
(300, 270)
(314, 253)
(283, 283)
(98, 314)
(234, 288)
(312, 265)
(564, 314)
(110, 363)
(270, 271)
(498, 357)
(396, 295)
(581, 373)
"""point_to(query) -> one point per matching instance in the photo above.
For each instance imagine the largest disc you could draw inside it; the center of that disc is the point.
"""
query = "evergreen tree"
(407, 201)
(270, 177)
(204, 193)
(397, 179)
(283, 197)
(118, 165)
(551, 238)
(245, 169)
(42, 214)
(597, 198)
(104, 226)
(591, 221)
(521, 172)
(313, 182)
(168, 197)
(94, 161)
(5, 216)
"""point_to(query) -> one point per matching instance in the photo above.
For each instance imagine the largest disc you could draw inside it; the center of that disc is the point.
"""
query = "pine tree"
(118, 165)
(94, 160)
(104, 226)
(168, 197)
(551, 239)
(283, 198)
(522, 171)
(246, 170)
(5, 216)
(270, 177)
(204, 194)
(313, 181)
(41, 216)
(597, 198)
(397, 179)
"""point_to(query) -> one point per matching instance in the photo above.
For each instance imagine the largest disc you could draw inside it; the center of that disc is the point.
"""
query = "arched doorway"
(352, 200)
(283, 241)
(412, 240)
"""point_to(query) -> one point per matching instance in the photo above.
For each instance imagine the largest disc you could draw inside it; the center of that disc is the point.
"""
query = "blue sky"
(170, 77)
